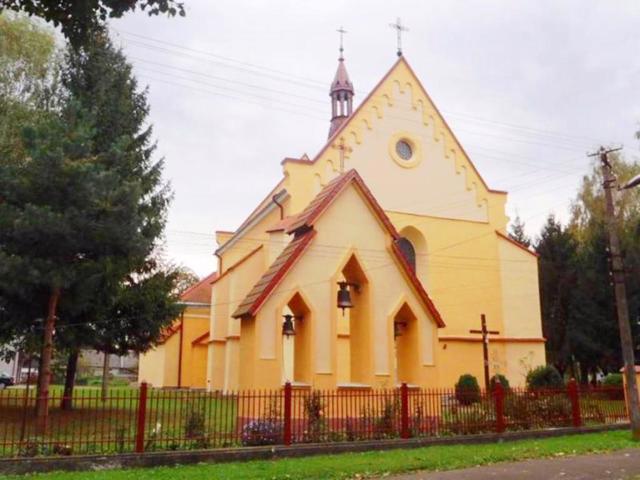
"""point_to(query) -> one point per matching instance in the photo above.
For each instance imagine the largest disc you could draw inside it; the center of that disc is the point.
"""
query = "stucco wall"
(347, 228)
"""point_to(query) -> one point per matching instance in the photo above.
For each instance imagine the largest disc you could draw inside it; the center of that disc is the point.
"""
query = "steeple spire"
(341, 92)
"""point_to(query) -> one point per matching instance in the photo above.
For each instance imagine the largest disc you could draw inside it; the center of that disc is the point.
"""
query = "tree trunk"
(584, 374)
(70, 380)
(44, 374)
(105, 376)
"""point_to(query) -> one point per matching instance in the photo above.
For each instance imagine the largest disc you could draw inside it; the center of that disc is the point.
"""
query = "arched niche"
(407, 345)
(297, 348)
(354, 338)
(412, 238)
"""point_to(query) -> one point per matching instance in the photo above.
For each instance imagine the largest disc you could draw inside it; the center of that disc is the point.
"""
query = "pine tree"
(81, 216)
(517, 232)
(557, 275)
(99, 79)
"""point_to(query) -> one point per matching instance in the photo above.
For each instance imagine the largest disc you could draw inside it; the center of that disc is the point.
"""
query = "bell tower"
(341, 92)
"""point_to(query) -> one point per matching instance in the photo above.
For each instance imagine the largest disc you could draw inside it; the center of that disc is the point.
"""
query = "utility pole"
(617, 270)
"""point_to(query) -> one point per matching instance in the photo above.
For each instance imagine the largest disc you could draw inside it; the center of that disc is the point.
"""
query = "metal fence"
(146, 419)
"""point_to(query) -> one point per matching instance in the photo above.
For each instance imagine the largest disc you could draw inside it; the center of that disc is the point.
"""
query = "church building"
(366, 266)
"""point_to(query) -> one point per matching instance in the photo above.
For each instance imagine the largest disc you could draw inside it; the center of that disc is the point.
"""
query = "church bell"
(344, 296)
(287, 326)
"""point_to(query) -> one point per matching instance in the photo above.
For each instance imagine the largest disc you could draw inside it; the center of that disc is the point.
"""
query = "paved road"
(622, 465)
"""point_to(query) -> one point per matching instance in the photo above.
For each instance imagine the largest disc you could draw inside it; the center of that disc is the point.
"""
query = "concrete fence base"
(156, 459)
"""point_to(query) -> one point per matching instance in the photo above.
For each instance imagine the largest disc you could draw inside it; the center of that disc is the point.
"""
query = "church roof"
(341, 79)
(199, 292)
(270, 280)
(303, 232)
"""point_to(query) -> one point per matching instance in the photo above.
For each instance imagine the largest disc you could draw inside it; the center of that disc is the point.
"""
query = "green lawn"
(94, 426)
(363, 465)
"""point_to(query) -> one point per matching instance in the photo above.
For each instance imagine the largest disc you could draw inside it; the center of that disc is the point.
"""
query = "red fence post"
(574, 398)
(404, 411)
(498, 392)
(141, 418)
(287, 414)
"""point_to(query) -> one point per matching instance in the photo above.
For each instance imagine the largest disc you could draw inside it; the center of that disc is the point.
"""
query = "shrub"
(498, 378)
(195, 429)
(530, 411)
(613, 380)
(469, 422)
(544, 376)
(384, 426)
(613, 383)
(467, 390)
(262, 432)
(316, 424)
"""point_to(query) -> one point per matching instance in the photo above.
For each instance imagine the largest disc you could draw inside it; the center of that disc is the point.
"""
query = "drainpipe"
(180, 350)
(275, 200)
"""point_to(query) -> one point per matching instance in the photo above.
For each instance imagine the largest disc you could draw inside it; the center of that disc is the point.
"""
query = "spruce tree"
(517, 232)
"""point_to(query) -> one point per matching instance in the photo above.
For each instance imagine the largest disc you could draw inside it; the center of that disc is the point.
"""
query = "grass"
(94, 426)
(369, 464)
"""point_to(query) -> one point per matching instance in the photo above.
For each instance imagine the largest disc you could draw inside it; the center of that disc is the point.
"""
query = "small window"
(403, 149)
(408, 251)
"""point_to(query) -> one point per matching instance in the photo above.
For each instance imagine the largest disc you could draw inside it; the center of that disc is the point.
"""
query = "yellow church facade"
(390, 220)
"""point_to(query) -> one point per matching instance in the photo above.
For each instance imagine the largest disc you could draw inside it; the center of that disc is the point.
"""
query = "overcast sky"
(527, 86)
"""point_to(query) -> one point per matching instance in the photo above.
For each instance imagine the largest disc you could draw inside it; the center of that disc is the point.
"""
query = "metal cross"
(485, 347)
(341, 31)
(342, 147)
(399, 28)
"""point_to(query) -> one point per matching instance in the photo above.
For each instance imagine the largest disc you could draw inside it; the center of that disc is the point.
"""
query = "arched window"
(409, 252)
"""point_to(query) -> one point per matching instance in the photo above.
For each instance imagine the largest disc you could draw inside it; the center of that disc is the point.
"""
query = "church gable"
(401, 145)
(304, 231)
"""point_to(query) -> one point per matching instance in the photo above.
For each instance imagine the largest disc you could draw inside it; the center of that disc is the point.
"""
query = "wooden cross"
(341, 31)
(485, 347)
(342, 147)
(399, 28)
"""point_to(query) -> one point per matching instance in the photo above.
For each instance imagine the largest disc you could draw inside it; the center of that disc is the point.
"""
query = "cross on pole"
(342, 147)
(399, 28)
(485, 347)
(341, 31)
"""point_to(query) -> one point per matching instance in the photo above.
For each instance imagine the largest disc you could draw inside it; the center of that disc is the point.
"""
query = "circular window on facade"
(403, 149)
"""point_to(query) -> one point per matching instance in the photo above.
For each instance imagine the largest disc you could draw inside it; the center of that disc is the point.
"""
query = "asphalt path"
(621, 465)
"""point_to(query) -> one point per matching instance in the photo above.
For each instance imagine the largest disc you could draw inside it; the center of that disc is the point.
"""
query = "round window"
(403, 149)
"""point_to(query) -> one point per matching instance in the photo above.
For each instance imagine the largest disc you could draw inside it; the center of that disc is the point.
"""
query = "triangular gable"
(348, 123)
(303, 232)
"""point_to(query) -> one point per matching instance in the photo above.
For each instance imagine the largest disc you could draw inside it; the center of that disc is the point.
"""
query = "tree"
(78, 19)
(47, 200)
(84, 211)
(99, 79)
(557, 250)
(29, 64)
(185, 279)
(143, 306)
(517, 232)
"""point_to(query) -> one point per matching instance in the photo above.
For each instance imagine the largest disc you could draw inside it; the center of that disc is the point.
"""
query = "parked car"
(5, 381)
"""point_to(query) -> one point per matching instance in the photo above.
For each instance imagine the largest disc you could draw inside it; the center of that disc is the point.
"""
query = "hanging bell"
(397, 329)
(344, 296)
(287, 326)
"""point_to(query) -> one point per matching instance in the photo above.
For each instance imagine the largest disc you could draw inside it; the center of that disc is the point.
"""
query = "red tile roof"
(303, 228)
(270, 280)
(199, 292)
(283, 224)
(169, 332)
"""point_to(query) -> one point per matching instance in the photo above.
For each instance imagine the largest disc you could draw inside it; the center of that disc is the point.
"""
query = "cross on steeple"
(399, 28)
(341, 31)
